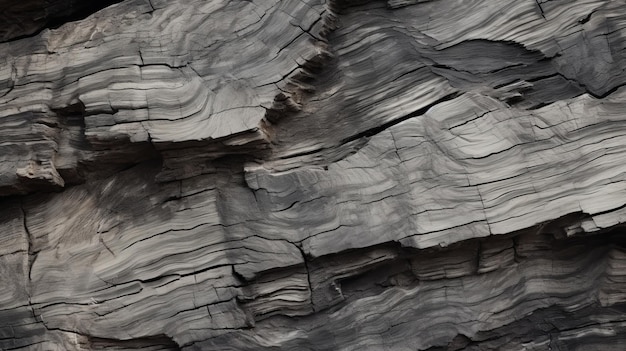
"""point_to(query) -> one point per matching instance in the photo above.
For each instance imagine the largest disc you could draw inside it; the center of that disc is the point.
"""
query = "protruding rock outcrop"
(313, 175)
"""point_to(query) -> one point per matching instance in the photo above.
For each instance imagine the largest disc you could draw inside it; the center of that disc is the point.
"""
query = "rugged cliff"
(313, 175)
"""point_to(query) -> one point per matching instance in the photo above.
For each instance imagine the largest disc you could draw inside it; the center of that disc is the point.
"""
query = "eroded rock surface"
(313, 175)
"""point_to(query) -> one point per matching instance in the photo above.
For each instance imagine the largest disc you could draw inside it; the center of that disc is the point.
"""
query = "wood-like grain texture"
(313, 175)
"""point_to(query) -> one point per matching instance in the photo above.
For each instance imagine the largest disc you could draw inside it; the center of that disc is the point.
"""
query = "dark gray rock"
(313, 175)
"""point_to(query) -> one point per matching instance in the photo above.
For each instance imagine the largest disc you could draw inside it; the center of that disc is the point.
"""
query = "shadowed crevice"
(23, 19)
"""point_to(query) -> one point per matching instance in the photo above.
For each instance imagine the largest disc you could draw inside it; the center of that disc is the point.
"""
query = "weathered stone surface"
(313, 175)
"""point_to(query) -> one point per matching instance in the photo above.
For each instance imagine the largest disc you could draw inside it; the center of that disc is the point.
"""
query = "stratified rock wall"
(313, 175)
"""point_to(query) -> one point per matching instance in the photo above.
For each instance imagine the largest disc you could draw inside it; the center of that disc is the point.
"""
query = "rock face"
(313, 175)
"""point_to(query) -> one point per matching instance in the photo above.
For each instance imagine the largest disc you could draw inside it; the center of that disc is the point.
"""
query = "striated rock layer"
(313, 175)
